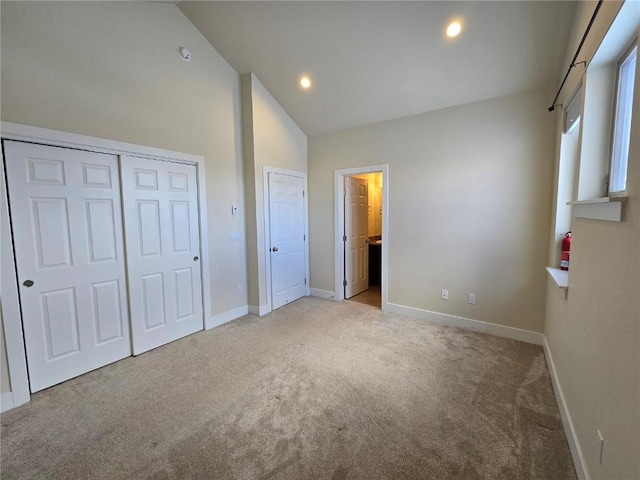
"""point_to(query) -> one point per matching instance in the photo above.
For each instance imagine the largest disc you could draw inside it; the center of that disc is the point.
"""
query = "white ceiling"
(372, 61)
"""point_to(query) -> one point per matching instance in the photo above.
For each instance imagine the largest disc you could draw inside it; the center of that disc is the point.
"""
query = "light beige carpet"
(315, 390)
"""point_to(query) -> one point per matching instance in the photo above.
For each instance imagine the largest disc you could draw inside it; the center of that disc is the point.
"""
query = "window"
(622, 121)
(573, 112)
(597, 131)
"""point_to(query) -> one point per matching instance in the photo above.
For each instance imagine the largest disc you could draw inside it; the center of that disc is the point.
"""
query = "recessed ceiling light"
(305, 82)
(454, 29)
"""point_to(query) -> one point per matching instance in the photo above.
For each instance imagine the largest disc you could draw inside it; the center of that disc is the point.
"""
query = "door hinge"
(302, 193)
(344, 283)
(305, 281)
(304, 238)
(344, 238)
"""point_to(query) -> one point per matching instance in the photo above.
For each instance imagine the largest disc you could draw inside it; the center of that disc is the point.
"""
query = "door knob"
(274, 249)
(195, 259)
(28, 283)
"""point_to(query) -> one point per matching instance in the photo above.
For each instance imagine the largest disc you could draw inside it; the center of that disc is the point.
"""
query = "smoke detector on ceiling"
(185, 54)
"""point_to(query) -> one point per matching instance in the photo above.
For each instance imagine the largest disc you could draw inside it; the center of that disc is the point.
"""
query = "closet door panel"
(67, 224)
(163, 251)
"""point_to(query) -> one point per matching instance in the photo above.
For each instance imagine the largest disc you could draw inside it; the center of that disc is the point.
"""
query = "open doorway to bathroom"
(361, 224)
(363, 245)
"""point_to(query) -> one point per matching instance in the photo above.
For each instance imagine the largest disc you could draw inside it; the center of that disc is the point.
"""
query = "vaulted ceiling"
(372, 61)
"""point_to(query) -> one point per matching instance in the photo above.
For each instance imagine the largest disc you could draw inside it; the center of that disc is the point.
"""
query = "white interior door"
(356, 247)
(163, 250)
(67, 225)
(287, 238)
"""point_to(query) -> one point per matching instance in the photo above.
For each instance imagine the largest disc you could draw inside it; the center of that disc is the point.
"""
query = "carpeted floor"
(315, 390)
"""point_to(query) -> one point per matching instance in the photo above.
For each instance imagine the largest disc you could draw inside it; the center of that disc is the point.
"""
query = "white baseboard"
(225, 317)
(259, 311)
(6, 402)
(572, 439)
(468, 324)
(326, 294)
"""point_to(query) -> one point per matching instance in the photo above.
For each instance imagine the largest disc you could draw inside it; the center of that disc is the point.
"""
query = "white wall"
(112, 70)
(469, 206)
(272, 139)
(594, 335)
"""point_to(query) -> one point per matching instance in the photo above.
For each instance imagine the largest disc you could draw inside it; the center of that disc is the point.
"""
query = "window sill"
(560, 278)
(605, 208)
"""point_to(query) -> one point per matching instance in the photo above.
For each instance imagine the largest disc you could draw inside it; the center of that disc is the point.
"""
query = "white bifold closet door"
(163, 249)
(67, 226)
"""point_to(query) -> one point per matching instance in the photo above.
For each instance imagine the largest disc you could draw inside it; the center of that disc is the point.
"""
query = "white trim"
(567, 422)
(26, 133)
(259, 311)
(559, 276)
(326, 294)
(339, 228)
(526, 336)
(609, 211)
(593, 201)
(560, 279)
(6, 402)
(266, 170)
(226, 317)
(205, 281)
(11, 315)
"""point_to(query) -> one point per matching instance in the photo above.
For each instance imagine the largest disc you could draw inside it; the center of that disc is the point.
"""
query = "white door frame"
(339, 176)
(11, 317)
(267, 227)
(10, 298)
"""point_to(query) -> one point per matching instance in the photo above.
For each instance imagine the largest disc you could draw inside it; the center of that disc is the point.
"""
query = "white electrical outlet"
(234, 236)
(234, 210)
(601, 445)
(240, 288)
(445, 295)
(472, 298)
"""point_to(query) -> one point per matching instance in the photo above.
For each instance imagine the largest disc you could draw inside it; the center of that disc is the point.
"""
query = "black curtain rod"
(573, 62)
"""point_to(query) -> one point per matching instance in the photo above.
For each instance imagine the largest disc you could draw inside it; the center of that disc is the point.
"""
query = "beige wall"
(594, 335)
(271, 139)
(469, 206)
(112, 70)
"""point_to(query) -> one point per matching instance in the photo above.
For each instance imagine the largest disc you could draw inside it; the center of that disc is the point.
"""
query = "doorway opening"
(361, 221)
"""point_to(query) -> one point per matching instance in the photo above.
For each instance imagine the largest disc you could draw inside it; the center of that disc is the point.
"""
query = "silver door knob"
(28, 283)
(195, 259)
(274, 249)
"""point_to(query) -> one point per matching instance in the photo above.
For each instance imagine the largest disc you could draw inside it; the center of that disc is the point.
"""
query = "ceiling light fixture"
(454, 29)
(305, 82)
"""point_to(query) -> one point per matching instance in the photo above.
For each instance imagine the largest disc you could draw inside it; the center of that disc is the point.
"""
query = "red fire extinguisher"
(566, 247)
